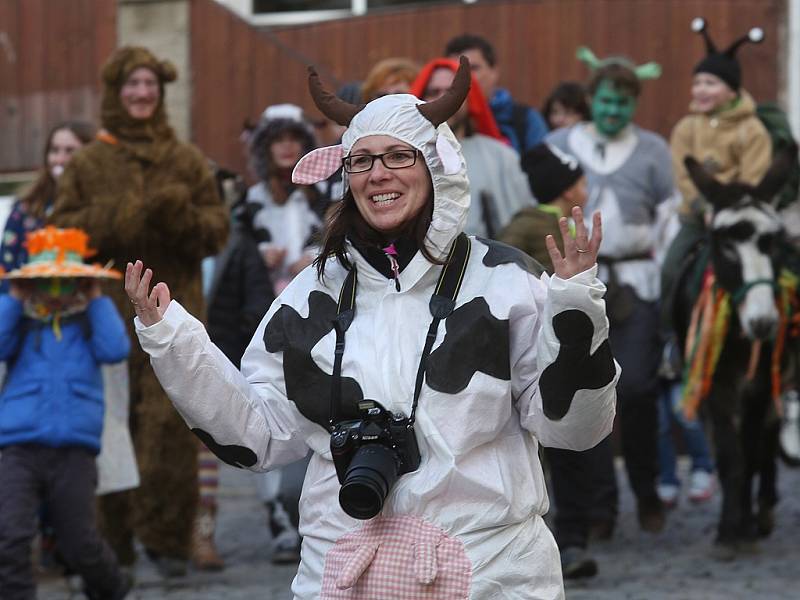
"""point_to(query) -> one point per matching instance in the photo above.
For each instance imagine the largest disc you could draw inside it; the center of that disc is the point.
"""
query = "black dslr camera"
(370, 454)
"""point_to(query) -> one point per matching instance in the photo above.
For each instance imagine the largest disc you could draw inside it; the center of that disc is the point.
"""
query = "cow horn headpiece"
(441, 109)
(401, 115)
(437, 112)
(336, 109)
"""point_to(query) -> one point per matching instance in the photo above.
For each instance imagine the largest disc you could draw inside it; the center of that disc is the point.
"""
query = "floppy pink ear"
(318, 165)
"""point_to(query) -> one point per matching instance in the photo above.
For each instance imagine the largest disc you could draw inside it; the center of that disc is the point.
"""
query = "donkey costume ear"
(712, 190)
(777, 174)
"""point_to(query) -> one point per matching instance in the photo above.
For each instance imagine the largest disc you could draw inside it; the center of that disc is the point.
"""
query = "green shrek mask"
(612, 108)
(613, 105)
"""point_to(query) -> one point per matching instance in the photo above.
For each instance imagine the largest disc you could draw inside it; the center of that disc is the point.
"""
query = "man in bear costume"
(138, 191)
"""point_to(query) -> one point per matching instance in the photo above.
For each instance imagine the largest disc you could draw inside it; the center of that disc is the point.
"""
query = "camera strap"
(441, 305)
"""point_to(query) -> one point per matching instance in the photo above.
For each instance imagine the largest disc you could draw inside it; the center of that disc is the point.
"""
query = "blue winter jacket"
(53, 393)
(502, 105)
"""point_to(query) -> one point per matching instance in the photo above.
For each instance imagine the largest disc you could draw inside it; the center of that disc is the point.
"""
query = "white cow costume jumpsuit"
(523, 360)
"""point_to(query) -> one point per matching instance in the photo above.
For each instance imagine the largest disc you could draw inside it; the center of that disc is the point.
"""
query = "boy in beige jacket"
(723, 132)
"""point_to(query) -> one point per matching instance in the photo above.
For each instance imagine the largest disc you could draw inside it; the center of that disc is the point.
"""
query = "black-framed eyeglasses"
(394, 159)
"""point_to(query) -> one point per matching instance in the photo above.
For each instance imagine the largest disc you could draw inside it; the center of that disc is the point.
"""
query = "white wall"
(793, 66)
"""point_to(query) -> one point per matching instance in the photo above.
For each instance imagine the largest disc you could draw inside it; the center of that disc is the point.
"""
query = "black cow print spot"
(575, 367)
(502, 254)
(236, 456)
(308, 386)
(475, 341)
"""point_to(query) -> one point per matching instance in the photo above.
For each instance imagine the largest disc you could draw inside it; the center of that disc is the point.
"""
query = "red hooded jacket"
(479, 111)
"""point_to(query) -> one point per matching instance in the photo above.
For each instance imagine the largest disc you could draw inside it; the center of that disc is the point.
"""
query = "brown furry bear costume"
(140, 193)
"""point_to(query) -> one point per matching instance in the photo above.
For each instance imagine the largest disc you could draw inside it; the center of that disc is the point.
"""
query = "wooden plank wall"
(238, 70)
(50, 56)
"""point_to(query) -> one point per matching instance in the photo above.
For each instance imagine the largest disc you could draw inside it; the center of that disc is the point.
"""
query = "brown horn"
(441, 109)
(334, 108)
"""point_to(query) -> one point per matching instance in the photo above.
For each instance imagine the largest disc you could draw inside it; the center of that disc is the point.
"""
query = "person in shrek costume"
(629, 177)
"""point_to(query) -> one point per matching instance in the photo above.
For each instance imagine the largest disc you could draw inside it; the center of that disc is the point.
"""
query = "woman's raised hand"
(150, 305)
(580, 252)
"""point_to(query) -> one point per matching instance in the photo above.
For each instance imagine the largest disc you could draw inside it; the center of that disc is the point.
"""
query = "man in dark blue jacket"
(522, 125)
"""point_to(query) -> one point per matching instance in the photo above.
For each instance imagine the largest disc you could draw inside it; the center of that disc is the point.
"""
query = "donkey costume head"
(746, 236)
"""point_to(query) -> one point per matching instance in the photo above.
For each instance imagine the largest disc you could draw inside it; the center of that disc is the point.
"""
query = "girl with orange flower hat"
(56, 329)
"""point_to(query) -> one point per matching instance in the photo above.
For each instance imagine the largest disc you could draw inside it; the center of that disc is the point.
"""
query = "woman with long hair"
(428, 441)
(31, 210)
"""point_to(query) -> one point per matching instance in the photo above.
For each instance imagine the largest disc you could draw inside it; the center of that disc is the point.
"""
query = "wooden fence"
(238, 70)
(51, 52)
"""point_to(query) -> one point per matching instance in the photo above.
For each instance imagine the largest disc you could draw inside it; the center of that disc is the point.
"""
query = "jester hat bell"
(57, 252)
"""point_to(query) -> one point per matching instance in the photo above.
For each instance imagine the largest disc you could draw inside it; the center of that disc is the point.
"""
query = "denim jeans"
(694, 436)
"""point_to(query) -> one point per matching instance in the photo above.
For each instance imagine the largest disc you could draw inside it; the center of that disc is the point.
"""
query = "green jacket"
(527, 231)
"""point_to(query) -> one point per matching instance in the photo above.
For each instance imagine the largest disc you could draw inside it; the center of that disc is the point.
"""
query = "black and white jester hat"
(421, 125)
(724, 64)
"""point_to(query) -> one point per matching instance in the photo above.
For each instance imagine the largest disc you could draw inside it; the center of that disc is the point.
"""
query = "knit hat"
(724, 64)
(550, 171)
(59, 253)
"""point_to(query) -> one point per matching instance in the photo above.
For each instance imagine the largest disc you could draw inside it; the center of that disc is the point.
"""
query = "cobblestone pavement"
(673, 565)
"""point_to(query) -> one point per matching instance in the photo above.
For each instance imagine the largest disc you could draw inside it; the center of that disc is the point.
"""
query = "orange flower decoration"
(58, 252)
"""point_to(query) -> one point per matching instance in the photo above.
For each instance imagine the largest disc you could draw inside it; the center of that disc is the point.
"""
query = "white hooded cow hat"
(421, 125)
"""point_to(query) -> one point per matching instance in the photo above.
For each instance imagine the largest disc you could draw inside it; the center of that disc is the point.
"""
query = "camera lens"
(370, 476)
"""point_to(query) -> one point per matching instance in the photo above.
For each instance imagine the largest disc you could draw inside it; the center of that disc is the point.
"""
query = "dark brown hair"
(467, 41)
(44, 188)
(345, 221)
(572, 96)
(622, 79)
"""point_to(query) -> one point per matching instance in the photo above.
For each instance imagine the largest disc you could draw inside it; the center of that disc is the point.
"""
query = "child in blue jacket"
(56, 329)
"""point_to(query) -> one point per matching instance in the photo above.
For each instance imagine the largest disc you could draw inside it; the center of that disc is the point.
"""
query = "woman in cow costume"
(478, 355)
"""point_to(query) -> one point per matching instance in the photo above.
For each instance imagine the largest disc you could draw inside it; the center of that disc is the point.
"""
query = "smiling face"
(140, 93)
(389, 199)
(612, 109)
(709, 93)
(62, 146)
